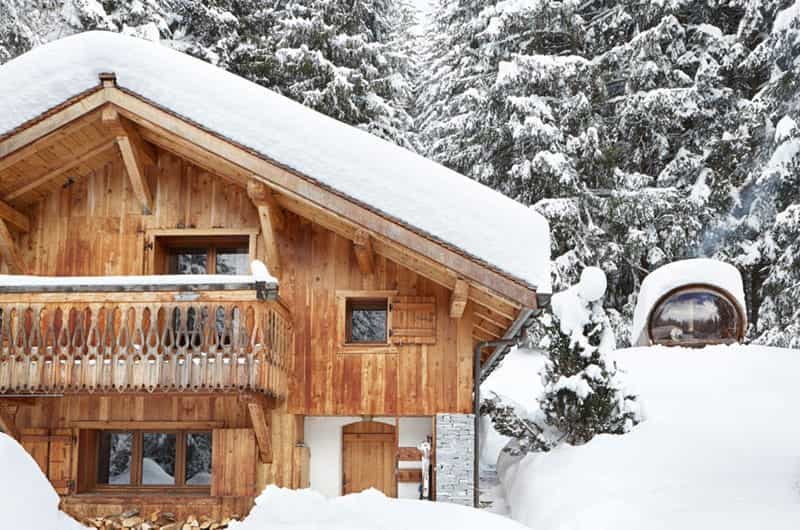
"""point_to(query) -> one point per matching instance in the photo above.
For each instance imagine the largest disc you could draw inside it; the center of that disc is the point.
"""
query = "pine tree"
(583, 394)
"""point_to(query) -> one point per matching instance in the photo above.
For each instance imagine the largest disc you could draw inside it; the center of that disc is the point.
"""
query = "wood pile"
(132, 520)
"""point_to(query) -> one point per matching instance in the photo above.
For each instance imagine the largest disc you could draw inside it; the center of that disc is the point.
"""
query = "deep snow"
(719, 448)
(283, 509)
(398, 183)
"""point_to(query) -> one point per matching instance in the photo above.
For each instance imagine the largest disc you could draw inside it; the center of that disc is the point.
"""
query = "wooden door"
(369, 452)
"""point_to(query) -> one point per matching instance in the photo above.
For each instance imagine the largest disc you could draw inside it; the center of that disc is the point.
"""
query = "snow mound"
(417, 192)
(284, 509)
(685, 272)
(718, 449)
(27, 501)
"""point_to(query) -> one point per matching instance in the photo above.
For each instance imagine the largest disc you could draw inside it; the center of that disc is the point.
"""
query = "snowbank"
(283, 509)
(27, 501)
(679, 273)
(718, 449)
(398, 183)
(517, 379)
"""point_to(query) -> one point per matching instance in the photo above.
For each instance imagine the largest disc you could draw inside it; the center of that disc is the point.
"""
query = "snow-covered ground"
(27, 501)
(282, 509)
(719, 448)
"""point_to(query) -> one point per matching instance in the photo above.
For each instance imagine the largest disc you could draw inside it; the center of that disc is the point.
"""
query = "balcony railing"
(143, 338)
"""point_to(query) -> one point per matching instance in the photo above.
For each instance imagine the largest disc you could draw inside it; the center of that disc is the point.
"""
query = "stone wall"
(455, 450)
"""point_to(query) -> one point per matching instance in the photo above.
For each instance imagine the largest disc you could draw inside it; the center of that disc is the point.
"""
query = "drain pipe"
(476, 393)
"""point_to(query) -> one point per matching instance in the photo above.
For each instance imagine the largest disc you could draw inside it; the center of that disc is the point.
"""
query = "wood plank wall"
(47, 416)
(94, 226)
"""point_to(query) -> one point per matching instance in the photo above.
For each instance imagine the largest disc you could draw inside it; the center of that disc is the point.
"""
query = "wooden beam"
(362, 246)
(261, 426)
(92, 152)
(136, 154)
(262, 195)
(7, 423)
(14, 217)
(9, 251)
(77, 114)
(458, 298)
(269, 217)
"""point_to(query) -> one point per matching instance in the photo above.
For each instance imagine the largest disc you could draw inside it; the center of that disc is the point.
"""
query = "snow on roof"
(706, 271)
(398, 183)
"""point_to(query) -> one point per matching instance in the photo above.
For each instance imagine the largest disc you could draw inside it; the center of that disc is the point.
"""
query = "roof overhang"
(297, 192)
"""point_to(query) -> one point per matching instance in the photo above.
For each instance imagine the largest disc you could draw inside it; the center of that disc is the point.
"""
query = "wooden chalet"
(144, 366)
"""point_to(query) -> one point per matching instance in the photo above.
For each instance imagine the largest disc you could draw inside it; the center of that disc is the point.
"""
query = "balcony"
(143, 334)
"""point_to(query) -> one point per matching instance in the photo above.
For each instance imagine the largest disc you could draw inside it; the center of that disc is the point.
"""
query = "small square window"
(367, 320)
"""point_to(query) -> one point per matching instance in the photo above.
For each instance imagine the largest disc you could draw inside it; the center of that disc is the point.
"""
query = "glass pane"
(198, 459)
(114, 466)
(158, 458)
(233, 261)
(187, 261)
(367, 320)
(695, 317)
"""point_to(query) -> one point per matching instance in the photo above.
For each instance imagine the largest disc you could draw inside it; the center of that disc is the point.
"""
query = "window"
(228, 257)
(145, 458)
(695, 316)
(192, 251)
(367, 320)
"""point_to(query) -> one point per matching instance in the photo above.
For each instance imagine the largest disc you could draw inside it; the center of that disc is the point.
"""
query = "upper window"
(367, 320)
(141, 458)
(694, 316)
(200, 254)
(222, 258)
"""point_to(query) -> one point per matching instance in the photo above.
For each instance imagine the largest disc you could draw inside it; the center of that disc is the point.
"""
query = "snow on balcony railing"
(131, 334)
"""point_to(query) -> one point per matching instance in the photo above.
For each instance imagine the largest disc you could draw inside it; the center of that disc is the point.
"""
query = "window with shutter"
(413, 320)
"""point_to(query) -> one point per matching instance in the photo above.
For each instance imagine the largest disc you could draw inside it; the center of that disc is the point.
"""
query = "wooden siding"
(42, 419)
(94, 226)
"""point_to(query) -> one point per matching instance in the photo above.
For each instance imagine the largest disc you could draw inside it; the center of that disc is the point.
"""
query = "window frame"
(353, 304)
(343, 327)
(741, 323)
(157, 241)
(137, 458)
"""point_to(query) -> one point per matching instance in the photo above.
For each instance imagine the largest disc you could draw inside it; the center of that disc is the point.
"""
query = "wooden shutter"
(37, 443)
(59, 468)
(413, 319)
(233, 463)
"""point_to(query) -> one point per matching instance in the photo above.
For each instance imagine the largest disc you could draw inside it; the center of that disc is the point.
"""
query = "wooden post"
(260, 419)
(9, 251)
(362, 245)
(272, 219)
(135, 154)
(458, 298)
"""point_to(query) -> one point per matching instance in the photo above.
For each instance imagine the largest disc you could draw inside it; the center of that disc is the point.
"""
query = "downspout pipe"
(476, 393)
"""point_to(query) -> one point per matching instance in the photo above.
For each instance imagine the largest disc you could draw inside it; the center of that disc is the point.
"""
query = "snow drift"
(27, 501)
(283, 509)
(718, 449)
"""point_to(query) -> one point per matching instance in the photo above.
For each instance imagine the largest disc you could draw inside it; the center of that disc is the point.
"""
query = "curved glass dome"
(695, 316)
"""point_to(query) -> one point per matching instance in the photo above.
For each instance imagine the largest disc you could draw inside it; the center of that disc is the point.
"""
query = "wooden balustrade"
(143, 342)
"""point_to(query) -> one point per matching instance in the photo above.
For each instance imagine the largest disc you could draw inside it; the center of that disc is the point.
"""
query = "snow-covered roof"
(705, 271)
(403, 186)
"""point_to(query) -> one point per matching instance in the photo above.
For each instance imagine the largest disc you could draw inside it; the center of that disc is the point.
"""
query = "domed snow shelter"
(692, 303)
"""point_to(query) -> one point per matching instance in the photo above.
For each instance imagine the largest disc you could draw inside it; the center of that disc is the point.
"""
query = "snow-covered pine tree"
(583, 393)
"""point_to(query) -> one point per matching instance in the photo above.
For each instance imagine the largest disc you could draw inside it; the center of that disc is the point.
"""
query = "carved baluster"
(5, 372)
(122, 353)
(152, 350)
(170, 334)
(137, 358)
(94, 365)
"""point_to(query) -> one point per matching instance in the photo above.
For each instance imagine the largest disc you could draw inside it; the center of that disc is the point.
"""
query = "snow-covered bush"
(583, 393)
